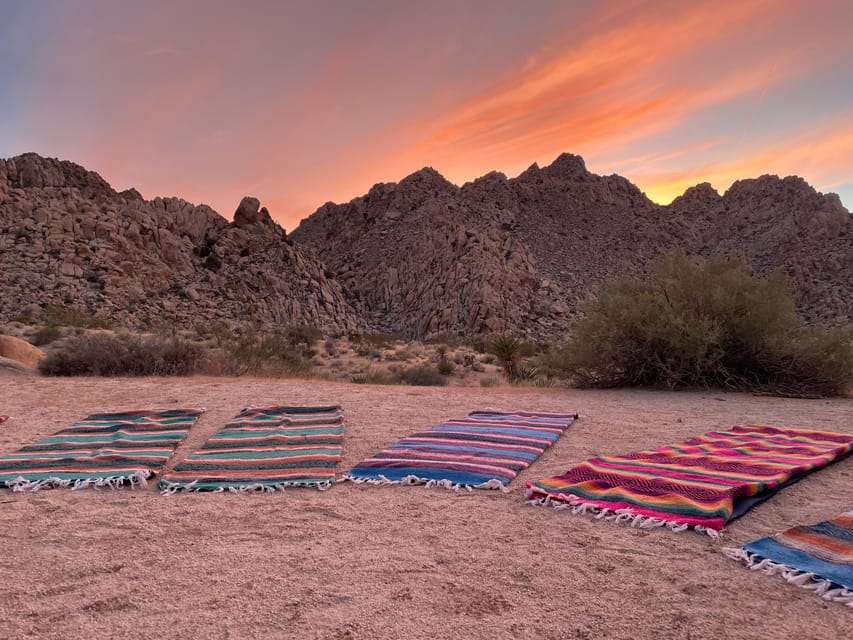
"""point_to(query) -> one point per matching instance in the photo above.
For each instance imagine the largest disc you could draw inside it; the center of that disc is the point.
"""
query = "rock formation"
(20, 351)
(66, 237)
(421, 256)
(518, 254)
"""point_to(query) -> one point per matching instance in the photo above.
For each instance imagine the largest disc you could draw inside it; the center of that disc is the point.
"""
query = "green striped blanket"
(264, 450)
(104, 450)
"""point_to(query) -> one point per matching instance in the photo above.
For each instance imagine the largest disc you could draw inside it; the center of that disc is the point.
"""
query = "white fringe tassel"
(803, 579)
(170, 488)
(428, 483)
(619, 516)
(135, 479)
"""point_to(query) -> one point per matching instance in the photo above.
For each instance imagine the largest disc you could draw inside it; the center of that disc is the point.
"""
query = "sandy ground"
(361, 562)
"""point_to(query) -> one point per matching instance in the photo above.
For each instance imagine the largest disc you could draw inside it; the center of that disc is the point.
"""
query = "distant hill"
(517, 254)
(66, 237)
(421, 256)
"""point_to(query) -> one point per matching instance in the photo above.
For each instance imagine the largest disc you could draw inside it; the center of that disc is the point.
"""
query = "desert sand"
(361, 562)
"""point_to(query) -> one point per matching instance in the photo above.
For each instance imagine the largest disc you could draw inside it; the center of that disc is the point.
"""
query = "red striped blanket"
(703, 482)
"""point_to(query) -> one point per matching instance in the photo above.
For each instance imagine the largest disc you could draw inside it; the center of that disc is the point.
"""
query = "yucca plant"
(506, 349)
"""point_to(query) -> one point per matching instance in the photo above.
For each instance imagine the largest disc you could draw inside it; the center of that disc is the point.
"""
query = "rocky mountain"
(66, 237)
(422, 256)
(778, 223)
(500, 254)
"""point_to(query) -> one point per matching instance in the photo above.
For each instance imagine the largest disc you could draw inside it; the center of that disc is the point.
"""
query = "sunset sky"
(303, 102)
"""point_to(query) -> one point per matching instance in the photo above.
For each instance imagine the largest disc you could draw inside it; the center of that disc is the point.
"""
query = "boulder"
(20, 351)
(9, 367)
(247, 212)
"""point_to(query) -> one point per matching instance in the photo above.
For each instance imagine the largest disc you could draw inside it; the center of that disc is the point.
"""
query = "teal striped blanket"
(104, 450)
(264, 450)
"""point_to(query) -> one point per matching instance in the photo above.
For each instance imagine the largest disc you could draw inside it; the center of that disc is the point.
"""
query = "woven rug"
(817, 557)
(703, 482)
(265, 449)
(104, 450)
(484, 450)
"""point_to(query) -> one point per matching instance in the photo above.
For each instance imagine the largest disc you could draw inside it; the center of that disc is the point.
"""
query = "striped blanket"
(484, 450)
(817, 557)
(104, 450)
(702, 483)
(264, 450)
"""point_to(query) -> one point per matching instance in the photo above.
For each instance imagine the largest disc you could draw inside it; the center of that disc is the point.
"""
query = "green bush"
(303, 335)
(106, 354)
(422, 377)
(46, 335)
(450, 340)
(62, 316)
(704, 323)
(445, 367)
(253, 351)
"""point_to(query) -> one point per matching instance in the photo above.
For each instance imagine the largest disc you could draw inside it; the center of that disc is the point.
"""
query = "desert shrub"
(528, 349)
(222, 333)
(46, 335)
(447, 339)
(478, 343)
(526, 374)
(106, 354)
(491, 381)
(445, 367)
(402, 355)
(544, 381)
(817, 362)
(254, 351)
(331, 349)
(422, 377)
(704, 323)
(303, 335)
(62, 316)
(362, 349)
(373, 376)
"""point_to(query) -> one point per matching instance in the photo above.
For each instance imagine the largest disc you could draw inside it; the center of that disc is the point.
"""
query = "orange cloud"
(619, 70)
(821, 157)
(636, 87)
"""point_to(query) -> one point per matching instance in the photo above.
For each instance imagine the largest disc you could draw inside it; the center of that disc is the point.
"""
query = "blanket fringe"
(429, 483)
(619, 516)
(137, 478)
(170, 488)
(822, 587)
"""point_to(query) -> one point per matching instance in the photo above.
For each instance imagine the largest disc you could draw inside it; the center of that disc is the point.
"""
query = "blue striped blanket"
(484, 450)
(817, 557)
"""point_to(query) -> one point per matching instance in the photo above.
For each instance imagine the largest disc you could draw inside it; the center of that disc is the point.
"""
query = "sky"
(303, 102)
